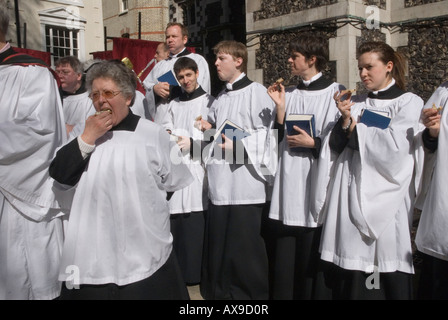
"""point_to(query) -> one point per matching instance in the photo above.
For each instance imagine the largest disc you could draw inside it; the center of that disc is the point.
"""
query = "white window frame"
(71, 48)
(79, 3)
(60, 17)
(124, 6)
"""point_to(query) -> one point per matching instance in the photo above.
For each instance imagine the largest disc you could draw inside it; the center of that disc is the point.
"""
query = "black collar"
(389, 94)
(241, 84)
(185, 96)
(18, 58)
(128, 124)
(319, 84)
(182, 54)
(6, 54)
(81, 90)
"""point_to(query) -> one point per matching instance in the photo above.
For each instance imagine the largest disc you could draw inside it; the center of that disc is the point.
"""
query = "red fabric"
(44, 56)
(103, 55)
(139, 52)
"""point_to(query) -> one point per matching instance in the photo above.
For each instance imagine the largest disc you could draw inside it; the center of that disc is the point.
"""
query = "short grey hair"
(73, 61)
(4, 17)
(115, 70)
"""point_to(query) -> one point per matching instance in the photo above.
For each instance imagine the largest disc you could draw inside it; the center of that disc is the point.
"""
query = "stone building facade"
(208, 22)
(136, 19)
(61, 27)
(416, 28)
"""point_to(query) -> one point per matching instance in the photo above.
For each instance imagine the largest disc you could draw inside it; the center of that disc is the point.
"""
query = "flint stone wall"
(276, 8)
(274, 53)
(415, 3)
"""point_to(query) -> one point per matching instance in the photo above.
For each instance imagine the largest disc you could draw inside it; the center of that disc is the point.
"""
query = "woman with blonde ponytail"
(366, 242)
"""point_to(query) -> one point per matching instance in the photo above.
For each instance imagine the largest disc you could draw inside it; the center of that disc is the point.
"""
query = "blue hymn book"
(231, 131)
(303, 121)
(374, 118)
(169, 77)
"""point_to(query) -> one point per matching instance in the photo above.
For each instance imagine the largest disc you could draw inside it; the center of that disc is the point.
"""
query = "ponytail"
(399, 70)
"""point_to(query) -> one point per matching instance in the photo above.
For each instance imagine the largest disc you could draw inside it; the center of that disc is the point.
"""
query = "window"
(61, 42)
(124, 5)
(63, 32)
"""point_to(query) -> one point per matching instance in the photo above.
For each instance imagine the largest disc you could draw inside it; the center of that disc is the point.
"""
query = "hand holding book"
(300, 140)
(301, 131)
(226, 143)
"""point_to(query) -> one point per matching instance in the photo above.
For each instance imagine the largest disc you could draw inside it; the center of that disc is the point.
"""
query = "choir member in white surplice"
(367, 215)
(31, 129)
(159, 94)
(77, 105)
(187, 206)
(294, 253)
(432, 239)
(235, 258)
(118, 243)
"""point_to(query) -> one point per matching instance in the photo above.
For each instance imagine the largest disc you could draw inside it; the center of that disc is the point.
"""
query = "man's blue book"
(231, 131)
(375, 118)
(303, 121)
(169, 77)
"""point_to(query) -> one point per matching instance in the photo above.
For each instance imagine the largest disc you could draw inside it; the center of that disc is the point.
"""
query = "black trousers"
(433, 281)
(165, 284)
(358, 285)
(294, 259)
(235, 265)
(188, 241)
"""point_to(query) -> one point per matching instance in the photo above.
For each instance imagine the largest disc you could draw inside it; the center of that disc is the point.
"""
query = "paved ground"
(194, 293)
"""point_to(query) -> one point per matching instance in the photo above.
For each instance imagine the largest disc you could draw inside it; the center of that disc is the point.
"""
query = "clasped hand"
(431, 120)
(96, 126)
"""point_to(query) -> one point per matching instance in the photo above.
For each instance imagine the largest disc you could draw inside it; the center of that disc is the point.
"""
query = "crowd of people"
(106, 193)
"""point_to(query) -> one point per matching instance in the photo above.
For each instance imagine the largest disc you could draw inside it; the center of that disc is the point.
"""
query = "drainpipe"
(19, 37)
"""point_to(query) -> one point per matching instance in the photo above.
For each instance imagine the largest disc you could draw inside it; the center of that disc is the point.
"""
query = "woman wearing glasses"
(122, 169)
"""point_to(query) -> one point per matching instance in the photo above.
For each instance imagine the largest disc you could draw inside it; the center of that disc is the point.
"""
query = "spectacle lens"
(106, 95)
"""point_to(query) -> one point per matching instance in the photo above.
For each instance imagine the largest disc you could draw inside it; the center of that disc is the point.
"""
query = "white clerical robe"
(235, 183)
(160, 69)
(77, 108)
(141, 106)
(432, 237)
(368, 211)
(292, 188)
(119, 227)
(180, 120)
(31, 129)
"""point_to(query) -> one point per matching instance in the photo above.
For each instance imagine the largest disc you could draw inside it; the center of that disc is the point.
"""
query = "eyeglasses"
(106, 95)
(64, 73)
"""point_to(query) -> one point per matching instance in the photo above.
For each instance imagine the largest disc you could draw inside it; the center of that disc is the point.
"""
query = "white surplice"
(163, 67)
(181, 118)
(369, 204)
(141, 106)
(77, 108)
(31, 129)
(119, 227)
(432, 237)
(292, 188)
(234, 183)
